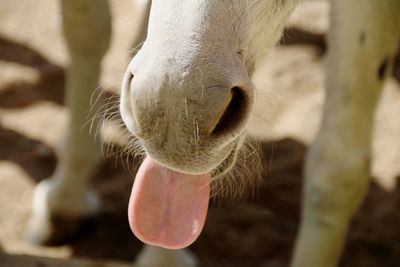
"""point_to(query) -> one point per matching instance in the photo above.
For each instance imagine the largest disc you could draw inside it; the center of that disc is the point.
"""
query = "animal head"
(187, 94)
(186, 97)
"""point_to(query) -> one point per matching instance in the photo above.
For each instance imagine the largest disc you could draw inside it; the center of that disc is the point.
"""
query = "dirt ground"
(258, 232)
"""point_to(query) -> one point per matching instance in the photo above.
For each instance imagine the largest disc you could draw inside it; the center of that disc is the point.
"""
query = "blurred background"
(259, 232)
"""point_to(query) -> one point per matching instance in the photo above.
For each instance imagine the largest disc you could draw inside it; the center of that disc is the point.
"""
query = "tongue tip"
(163, 243)
(159, 239)
(156, 217)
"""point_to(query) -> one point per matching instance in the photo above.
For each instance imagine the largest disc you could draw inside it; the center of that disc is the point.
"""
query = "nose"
(186, 125)
(217, 112)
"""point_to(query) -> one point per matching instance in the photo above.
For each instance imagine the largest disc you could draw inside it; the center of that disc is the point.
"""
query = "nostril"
(126, 110)
(126, 84)
(234, 114)
(129, 79)
(125, 92)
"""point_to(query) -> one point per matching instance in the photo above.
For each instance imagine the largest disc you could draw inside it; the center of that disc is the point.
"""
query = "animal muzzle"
(184, 128)
(187, 127)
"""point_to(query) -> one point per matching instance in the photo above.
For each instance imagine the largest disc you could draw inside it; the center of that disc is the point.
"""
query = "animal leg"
(64, 199)
(144, 7)
(363, 39)
(159, 257)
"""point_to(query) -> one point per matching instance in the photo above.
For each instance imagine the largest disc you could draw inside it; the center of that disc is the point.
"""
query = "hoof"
(158, 257)
(58, 219)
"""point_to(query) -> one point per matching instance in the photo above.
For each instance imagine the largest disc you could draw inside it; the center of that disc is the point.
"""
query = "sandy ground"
(259, 232)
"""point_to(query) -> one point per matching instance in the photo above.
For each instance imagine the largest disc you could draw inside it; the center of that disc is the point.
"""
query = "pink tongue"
(168, 209)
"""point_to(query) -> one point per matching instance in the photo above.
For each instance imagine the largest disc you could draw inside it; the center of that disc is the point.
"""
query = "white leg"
(65, 196)
(158, 257)
(144, 9)
(363, 39)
